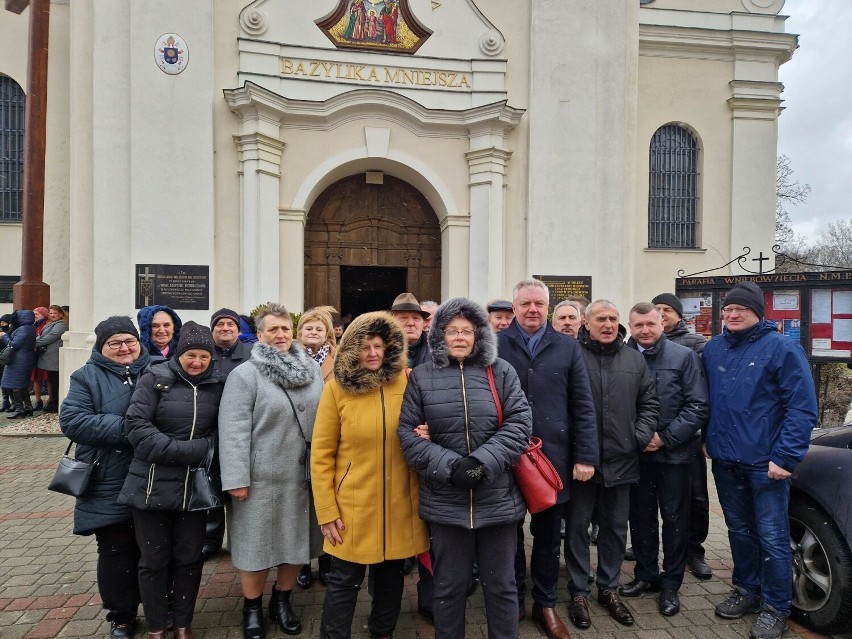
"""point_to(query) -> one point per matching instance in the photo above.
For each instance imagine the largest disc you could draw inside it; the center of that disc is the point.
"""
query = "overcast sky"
(815, 129)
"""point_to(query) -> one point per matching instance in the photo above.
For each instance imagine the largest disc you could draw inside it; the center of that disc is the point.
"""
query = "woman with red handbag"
(468, 493)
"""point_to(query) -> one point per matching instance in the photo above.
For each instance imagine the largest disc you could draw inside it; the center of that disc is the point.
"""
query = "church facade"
(343, 151)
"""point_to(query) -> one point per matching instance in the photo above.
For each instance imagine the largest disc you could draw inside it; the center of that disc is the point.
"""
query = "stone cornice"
(374, 103)
(454, 220)
(713, 44)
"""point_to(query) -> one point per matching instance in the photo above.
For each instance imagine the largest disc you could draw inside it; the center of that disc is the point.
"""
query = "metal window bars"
(11, 150)
(673, 188)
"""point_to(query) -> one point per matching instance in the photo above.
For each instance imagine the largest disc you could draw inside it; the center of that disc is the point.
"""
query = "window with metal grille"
(11, 150)
(673, 189)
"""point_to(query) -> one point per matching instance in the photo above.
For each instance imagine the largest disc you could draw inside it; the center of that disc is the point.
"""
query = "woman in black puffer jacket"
(468, 494)
(171, 424)
(93, 417)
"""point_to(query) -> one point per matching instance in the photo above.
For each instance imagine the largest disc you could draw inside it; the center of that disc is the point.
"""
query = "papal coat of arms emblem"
(171, 53)
(380, 25)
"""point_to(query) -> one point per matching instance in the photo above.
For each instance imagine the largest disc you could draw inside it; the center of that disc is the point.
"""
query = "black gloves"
(467, 473)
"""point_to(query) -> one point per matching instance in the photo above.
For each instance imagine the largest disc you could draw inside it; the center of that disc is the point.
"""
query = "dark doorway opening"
(370, 288)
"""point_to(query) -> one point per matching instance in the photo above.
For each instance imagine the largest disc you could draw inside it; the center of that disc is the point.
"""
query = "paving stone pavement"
(47, 577)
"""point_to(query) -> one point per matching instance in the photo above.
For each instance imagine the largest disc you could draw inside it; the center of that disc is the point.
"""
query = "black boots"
(281, 612)
(21, 404)
(7, 401)
(254, 625)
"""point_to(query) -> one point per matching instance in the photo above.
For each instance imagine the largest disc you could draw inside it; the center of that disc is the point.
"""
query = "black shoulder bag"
(306, 458)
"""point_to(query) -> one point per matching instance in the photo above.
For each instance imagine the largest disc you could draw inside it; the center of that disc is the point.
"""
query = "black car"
(821, 532)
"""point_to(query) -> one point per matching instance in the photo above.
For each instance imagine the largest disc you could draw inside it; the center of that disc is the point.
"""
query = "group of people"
(31, 340)
(398, 442)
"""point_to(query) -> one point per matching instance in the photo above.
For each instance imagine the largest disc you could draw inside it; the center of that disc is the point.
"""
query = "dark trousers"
(455, 549)
(544, 560)
(663, 487)
(118, 570)
(699, 503)
(344, 580)
(613, 506)
(170, 543)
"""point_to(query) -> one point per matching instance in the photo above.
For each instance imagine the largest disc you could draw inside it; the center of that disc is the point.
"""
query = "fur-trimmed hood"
(347, 370)
(290, 369)
(485, 342)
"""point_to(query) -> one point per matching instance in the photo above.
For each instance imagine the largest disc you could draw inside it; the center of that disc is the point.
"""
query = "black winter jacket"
(684, 399)
(455, 400)
(680, 334)
(224, 361)
(171, 424)
(557, 388)
(626, 405)
(92, 416)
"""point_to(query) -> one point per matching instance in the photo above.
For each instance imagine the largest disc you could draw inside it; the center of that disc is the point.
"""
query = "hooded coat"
(455, 399)
(145, 318)
(680, 334)
(262, 447)
(625, 402)
(17, 373)
(358, 472)
(171, 423)
(762, 400)
(92, 416)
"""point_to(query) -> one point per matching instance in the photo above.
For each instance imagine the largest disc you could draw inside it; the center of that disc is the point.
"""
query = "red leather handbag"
(535, 475)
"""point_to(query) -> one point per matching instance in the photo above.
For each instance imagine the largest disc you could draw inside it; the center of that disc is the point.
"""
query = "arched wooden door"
(366, 243)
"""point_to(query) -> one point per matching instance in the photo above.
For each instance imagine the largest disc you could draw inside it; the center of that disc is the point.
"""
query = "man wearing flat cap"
(406, 309)
(762, 410)
(500, 314)
(671, 308)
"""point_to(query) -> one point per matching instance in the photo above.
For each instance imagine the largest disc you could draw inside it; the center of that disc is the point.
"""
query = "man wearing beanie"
(228, 353)
(762, 410)
(671, 309)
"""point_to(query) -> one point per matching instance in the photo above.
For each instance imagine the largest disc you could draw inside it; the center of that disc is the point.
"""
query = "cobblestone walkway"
(47, 577)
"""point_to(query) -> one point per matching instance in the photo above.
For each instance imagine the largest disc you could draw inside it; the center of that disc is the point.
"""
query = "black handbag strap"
(68, 450)
(296, 415)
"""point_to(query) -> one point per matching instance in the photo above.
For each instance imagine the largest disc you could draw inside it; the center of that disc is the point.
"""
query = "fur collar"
(348, 372)
(485, 342)
(290, 369)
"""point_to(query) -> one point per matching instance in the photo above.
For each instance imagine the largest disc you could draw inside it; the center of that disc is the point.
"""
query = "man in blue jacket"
(553, 376)
(762, 410)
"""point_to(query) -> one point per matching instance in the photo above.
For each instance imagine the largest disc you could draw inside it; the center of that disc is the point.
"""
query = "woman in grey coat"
(47, 345)
(266, 422)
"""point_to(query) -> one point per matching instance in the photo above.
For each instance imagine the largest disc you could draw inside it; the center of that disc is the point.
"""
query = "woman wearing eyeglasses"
(93, 417)
(468, 494)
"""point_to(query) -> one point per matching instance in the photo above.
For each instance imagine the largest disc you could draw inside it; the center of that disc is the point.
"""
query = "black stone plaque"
(177, 286)
(564, 286)
(6, 284)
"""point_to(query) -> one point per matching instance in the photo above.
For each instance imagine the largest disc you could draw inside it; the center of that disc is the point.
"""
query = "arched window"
(673, 189)
(11, 150)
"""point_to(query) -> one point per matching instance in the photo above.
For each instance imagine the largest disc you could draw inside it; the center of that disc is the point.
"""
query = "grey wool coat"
(261, 446)
(51, 341)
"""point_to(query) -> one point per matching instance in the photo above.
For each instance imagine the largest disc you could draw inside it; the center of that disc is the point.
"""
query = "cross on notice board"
(760, 260)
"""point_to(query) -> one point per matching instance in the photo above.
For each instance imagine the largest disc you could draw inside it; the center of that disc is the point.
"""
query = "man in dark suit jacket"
(553, 375)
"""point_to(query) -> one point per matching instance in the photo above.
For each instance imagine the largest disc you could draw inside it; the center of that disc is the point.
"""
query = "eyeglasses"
(739, 310)
(116, 344)
(465, 332)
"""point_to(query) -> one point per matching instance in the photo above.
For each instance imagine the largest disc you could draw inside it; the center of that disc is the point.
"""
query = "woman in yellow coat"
(364, 492)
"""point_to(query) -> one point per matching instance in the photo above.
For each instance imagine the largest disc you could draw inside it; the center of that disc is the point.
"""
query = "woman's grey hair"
(275, 310)
(568, 303)
(602, 304)
(530, 283)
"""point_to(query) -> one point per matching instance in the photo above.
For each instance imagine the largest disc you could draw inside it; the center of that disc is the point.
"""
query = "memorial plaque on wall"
(6, 284)
(176, 286)
(564, 286)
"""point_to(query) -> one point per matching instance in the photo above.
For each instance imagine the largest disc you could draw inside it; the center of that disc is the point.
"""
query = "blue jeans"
(755, 510)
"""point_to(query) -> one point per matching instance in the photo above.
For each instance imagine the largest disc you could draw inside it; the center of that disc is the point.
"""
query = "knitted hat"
(113, 326)
(669, 299)
(194, 335)
(41, 310)
(224, 312)
(747, 294)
